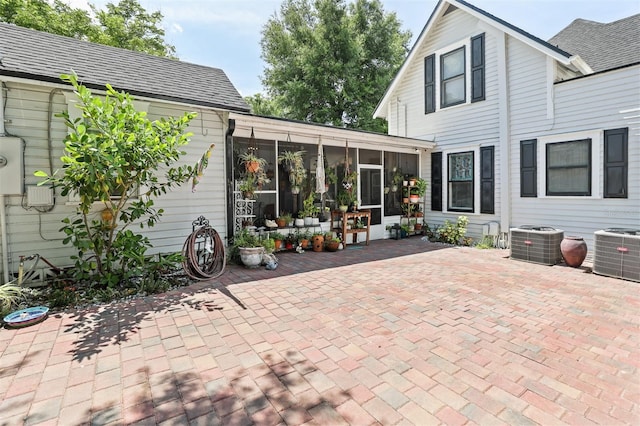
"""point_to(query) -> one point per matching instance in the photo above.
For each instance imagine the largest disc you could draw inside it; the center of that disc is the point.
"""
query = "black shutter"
(487, 180)
(429, 84)
(436, 181)
(528, 168)
(477, 68)
(615, 163)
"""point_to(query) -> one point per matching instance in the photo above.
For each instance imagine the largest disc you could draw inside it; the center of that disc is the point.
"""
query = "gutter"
(228, 149)
(3, 212)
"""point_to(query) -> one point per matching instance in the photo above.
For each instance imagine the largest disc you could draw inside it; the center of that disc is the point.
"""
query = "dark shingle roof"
(602, 46)
(42, 56)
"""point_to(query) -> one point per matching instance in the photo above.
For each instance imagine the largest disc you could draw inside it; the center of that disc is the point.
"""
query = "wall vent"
(537, 244)
(38, 196)
(617, 253)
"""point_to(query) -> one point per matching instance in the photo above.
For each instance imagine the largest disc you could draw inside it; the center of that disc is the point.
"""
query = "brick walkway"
(400, 332)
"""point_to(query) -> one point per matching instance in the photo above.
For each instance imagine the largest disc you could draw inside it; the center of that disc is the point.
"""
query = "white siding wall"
(463, 127)
(30, 231)
(590, 104)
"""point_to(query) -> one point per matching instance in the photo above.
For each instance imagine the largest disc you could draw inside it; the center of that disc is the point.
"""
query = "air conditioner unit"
(537, 244)
(617, 253)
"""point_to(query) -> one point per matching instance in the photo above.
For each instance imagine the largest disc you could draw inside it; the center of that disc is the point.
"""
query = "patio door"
(371, 191)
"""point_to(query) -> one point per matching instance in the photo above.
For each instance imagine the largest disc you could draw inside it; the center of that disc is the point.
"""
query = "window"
(460, 76)
(460, 176)
(568, 167)
(452, 70)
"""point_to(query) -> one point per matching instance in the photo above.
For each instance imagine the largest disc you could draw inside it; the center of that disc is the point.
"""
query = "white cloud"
(176, 28)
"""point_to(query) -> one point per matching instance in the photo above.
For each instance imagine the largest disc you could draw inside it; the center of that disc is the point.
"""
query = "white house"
(527, 132)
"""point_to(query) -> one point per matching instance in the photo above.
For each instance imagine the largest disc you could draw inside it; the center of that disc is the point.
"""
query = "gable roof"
(36, 55)
(441, 8)
(602, 45)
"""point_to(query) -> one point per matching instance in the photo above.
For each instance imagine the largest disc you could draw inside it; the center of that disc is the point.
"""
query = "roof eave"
(136, 93)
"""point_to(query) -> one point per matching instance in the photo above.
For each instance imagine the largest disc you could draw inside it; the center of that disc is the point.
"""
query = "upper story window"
(459, 78)
(452, 70)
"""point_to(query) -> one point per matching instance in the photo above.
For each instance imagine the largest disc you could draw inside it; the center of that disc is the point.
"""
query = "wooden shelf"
(338, 215)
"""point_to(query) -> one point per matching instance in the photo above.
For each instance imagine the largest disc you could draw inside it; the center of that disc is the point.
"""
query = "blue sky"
(226, 33)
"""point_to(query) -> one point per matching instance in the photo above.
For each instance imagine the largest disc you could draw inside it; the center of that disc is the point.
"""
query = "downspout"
(3, 212)
(228, 149)
(505, 142)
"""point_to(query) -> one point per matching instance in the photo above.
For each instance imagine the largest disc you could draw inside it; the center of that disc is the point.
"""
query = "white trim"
(504, 148)
(597, 137)
(476, 179)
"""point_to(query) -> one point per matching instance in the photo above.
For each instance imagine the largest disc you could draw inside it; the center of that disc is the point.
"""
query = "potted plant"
(249, 248)
(343, 199)
(293, 162)
(303, 239)
(254, 175)
(299, 221)
(252, 163)
(289, 241)
(318, 241)
(309, 209)
(283, 220)
(396, 179)
(331, 243)
(277, 238)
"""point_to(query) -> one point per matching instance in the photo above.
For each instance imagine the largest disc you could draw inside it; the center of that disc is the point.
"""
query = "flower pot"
(252, 166)
(414, 198)
(332, 245)
(251, 257)
(343, 208)
(277, 244)
(281, 223)
(308, 220)
(304, 243)
(574, 251)
(295, 190)
(299, 222)
(318, 242)
(315, 221)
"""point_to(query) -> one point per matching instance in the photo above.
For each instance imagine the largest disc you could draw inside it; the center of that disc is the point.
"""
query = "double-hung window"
(452, 70)
(455, 75)
(569, 168)
(460, 185)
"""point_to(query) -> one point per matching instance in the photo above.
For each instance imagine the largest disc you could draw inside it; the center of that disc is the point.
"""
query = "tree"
(263, 105)
(129, 26)
(114, 149)
(126, 24)
(330, 62)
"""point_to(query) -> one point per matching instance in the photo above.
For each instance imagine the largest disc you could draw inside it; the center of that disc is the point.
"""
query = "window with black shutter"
(487, 180)
(436, 181)
(528, 168)
(477, 68)
(615, 163)
(429, 84)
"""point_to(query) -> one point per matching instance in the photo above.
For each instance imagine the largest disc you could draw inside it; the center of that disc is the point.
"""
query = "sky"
(226, 33)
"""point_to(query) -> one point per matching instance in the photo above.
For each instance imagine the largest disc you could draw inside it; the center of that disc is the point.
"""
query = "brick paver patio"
(400, 332)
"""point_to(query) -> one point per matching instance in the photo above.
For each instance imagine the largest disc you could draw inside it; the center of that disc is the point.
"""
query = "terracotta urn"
(574, 250)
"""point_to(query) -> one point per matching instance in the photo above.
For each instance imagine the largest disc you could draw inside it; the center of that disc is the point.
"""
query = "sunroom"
(370, 167)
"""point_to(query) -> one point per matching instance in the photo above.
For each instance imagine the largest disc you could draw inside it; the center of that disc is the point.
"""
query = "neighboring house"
(527, 132)
(32, 93)
(31, 138)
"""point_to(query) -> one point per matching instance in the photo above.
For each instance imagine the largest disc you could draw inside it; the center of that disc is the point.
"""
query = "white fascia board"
(283, 130)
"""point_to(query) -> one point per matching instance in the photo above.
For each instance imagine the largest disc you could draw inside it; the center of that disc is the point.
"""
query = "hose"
(204, 256)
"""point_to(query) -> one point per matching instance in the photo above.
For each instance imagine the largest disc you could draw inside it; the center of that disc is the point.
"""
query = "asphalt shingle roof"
(42, 56)
(602, 45)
